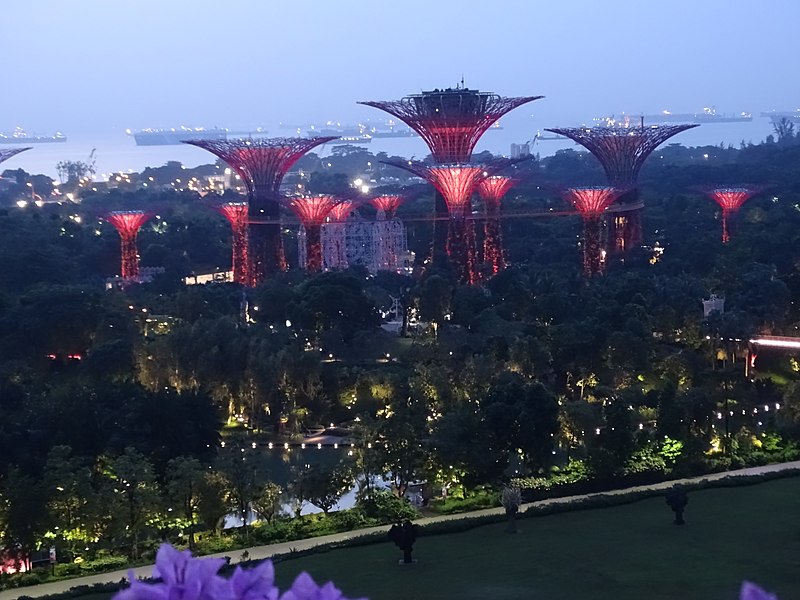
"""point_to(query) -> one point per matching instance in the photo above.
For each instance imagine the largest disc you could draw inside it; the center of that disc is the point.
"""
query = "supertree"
(591, 202)
(622, 151)
(312, 211)
(237, 215)
(334, 236)
(451, 121)
(262, 163)
(389, 234)
(127, 223)
(492, 189)
(9, 152)
(456, 183)
(730, 200)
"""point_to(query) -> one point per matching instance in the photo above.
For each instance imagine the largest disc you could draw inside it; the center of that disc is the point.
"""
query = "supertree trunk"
(239, 261)
(458, 250)
(266, 250)
(441, 226)
(493, 254)
(592, 261)
(726, 236)
(129, 257)
(314, 248)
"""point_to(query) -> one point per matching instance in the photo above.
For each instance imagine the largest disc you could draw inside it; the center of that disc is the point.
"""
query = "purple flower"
(750, 591)
(182, 578)
(304, 588)
(255, 584)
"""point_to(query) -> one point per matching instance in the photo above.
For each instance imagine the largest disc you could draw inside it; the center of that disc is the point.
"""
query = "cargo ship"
(170, 137)
(19, 136)
(707, 116)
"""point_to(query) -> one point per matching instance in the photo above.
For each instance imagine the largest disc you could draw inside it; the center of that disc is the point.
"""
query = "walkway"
(261, 552)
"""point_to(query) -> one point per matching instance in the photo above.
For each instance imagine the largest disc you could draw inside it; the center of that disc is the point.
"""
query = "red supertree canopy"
(237, 215)
(492, 189)
(451, 121)
(261, 162)
(591, 201)
(455, 182)
(621, 150)
(730, 200)
(340, 212)
(9, 152)
(128, 223)
(388, 204)
(312, 210)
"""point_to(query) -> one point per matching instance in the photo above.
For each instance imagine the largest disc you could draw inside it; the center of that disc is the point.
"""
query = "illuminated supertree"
(312, 211)
(262, 163)
(237, 215)
(334, 236)
(622, 151)
(451, 121)
(591, 202)
(730, 200)
(128, 223)
(455, 182)
(9, 152)
(492, 189)
(389, 233)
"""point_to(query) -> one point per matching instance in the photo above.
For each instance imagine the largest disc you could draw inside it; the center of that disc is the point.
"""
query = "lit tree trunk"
(725, 233)
(592, 263)
(441, 239)
(493, 242)
(313, 248)
(458, 249)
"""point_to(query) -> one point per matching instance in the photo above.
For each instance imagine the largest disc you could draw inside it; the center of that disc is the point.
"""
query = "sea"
(116, 152)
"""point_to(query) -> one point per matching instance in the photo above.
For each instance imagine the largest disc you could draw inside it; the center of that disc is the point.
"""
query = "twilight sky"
(105, 65)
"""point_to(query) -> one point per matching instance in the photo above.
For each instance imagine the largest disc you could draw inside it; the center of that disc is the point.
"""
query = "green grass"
(622, 552)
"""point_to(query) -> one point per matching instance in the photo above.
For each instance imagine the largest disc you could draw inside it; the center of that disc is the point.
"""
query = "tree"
(136, 494)
(23, 513)
(68, 484)
(268, 501)
(239, 466)
(184, 476)
(212, 500)
(325, 485)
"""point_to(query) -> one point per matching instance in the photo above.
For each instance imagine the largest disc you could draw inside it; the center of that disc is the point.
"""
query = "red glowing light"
(388, 204)
(731, 200)
(312, 211)
(492, 189)
(340, 212)
(237, 215)
(451, 121)
(591, 202)
(455, 183)
(128, 223)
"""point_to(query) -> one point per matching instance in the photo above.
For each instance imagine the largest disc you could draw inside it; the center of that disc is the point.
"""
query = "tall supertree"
(237, 215)
(262, 163)
(591, 202)
(389, 234)
(730, 200)
(451, 122)
(622, 151)
(334, 236)
(9, 152)
(127, 223)
(492, 189)
(312, 211)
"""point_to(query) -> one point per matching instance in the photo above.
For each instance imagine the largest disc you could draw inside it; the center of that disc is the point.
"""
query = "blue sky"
(94, 65)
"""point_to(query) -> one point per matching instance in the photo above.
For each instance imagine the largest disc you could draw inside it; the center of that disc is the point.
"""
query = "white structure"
(713, 304)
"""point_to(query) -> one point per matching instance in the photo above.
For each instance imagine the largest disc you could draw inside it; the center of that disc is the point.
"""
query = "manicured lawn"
(630, 551)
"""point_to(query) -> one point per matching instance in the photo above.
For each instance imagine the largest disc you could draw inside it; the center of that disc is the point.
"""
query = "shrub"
(384, 506)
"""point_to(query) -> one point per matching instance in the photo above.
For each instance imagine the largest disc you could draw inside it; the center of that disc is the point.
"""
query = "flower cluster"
(186, 578)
